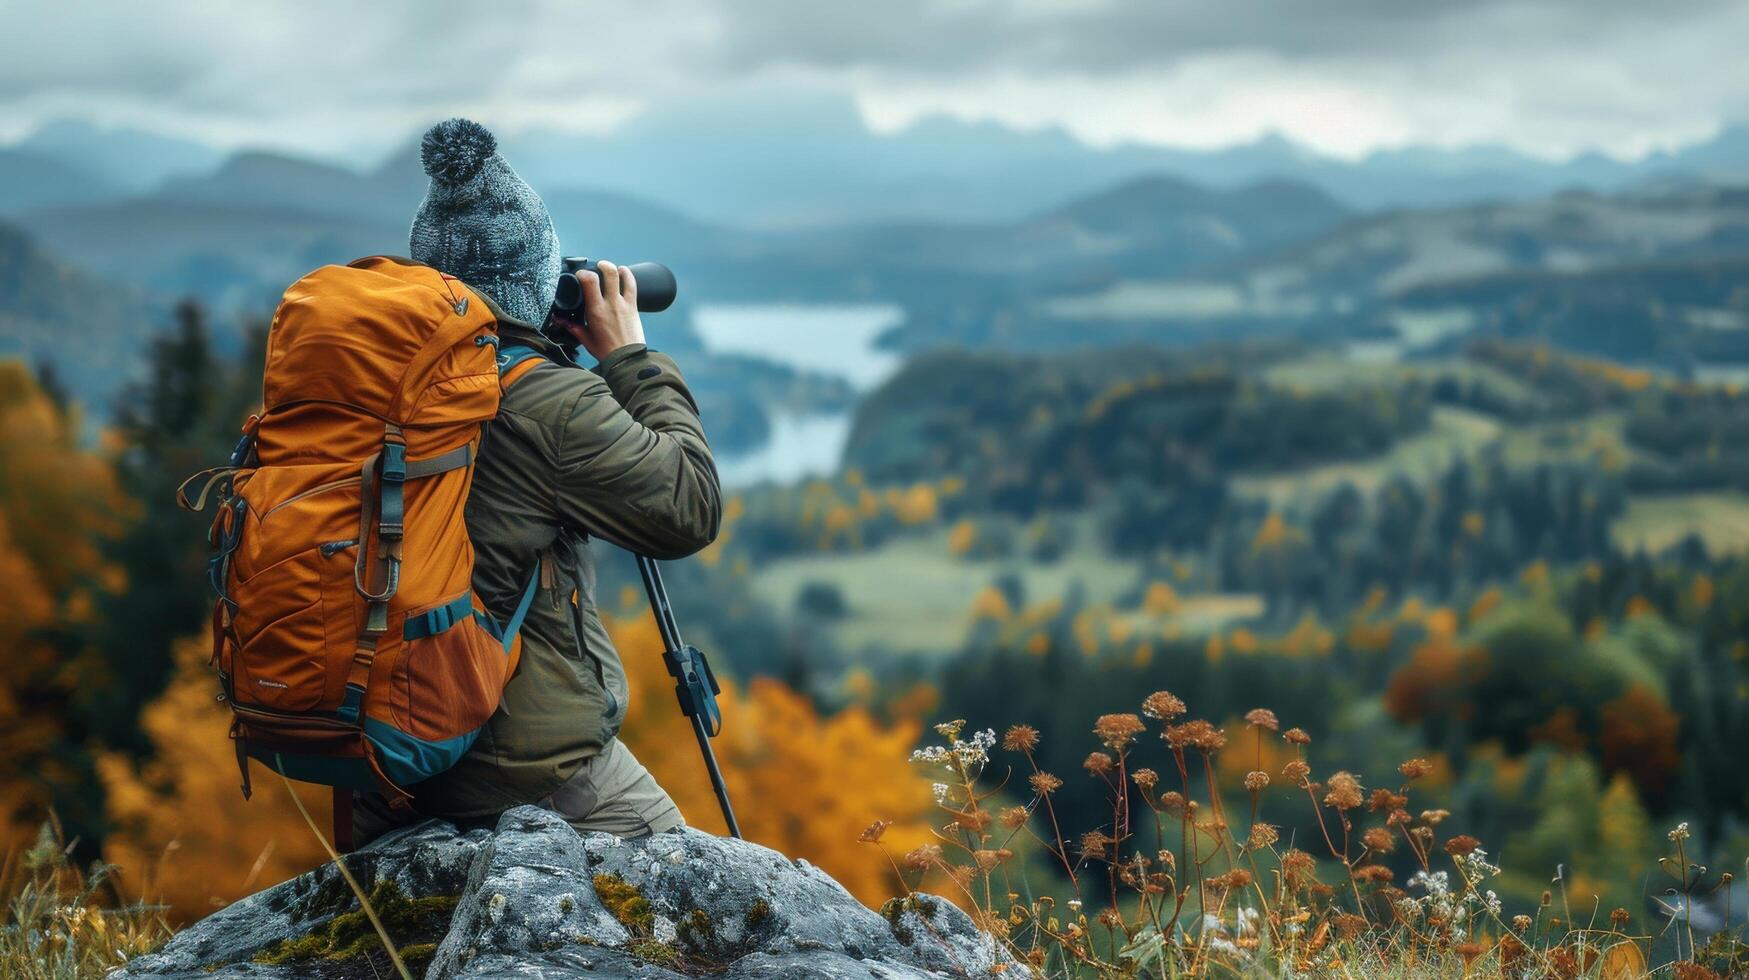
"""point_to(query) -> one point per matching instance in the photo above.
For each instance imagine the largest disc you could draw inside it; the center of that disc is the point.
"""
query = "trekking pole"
(694, 684)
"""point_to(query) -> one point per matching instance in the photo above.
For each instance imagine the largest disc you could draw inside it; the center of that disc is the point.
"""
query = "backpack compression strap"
(515, 362)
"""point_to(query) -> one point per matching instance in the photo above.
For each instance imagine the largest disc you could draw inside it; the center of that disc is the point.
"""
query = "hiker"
(615, 453)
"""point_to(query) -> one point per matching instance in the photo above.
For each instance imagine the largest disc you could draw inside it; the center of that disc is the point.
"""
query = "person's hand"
(610, 310)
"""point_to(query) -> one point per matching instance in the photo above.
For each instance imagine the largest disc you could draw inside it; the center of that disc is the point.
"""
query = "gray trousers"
(611, 793)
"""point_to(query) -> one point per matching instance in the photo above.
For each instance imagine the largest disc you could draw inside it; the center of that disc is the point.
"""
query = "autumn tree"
(60, 507)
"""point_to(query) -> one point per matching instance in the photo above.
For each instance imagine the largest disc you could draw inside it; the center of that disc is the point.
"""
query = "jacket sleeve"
(633, 465)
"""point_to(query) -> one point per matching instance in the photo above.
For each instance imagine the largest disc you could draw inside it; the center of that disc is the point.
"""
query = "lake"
(832, 339)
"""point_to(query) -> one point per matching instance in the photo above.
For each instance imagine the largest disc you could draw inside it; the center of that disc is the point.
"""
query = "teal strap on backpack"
(513, 355)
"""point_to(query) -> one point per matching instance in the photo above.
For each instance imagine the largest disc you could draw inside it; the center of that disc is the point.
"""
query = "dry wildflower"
(1146, 778)
(1563, 962)
(1379, 839)
(1384, 801)
(1020, 738)
(1117, 731)
(1196, 734)
(1399, 818)
(1296, 772)
(1094, 843)
(1461, 844)
(1415, 768)
(1256, 780)
(1695, 971)
(960, 875)
(1172, 803)
(873, 833)
(1521, 922)
(1344, 792)
(1296, 736)
(1262, 718)
(1044, 784)
(1434, 818)
(1097, 763)
(1470, 952)
(950, 730)
(1374, 874)
(1423, 834)
(922, 858)
(1014, 817)
(1111, 918)
(1619, 917)
(986, 860)
(1162, 706)
(1298, 866)
(1233, 880)
(976, 819)
(1350, 925)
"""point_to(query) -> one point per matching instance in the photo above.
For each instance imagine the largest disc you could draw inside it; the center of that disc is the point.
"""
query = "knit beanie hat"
(480, 223)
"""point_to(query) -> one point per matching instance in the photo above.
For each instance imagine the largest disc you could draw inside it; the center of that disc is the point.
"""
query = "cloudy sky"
(1548, 77)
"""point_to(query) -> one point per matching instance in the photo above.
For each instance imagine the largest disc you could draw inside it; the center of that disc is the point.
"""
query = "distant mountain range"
(811, 161)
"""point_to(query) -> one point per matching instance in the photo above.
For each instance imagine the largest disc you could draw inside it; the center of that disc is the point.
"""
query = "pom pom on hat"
(454, 150)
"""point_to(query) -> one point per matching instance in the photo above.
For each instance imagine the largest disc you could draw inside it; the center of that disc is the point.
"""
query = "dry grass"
(62, 923)
(1184, 883)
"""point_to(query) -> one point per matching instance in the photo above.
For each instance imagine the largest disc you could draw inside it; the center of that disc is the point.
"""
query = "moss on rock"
(415, 921)
(625, 903)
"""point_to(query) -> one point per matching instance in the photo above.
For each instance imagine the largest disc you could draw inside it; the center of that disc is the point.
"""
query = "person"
(614, 454)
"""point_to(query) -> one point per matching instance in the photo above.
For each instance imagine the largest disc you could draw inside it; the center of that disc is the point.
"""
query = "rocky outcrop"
(533, 898)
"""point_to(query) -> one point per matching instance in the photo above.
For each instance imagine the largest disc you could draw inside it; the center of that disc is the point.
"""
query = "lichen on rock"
(533, 898)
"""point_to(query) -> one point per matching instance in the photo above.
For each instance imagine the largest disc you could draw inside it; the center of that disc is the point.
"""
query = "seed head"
(874, 832)
(1262, 718)
(922, 858)
(1619, 917)
(1256, 780)
(1117, 731)
(1145, 778)
(1415, 768)
(1384, 801)
(1013, 817)
(1379, 839)
(1097, 763)
(1296, 772)
(1196, 734)
(1162, 706)
(1373, 874)
(1461, 844)
(1433, 818)
(1262, 835)
(1344, 792)
(1044, 784)
(1297, 736)
(1020, 738)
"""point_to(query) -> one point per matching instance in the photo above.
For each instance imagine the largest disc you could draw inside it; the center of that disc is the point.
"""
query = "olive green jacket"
(617, 454)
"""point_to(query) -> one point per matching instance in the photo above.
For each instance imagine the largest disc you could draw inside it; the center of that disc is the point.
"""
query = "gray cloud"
(1554, 77)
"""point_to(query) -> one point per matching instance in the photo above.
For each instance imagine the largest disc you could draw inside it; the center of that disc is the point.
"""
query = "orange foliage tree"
(802, 784)
(60, 504)
(182, 827)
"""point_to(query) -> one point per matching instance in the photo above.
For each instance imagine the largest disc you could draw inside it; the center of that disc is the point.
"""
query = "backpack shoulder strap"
(515, 362)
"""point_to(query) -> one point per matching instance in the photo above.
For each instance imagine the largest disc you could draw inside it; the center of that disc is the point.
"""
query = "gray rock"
(425, 860)
(533, 898)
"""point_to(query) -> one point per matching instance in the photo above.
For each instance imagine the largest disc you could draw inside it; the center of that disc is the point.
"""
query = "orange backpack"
(347, 637)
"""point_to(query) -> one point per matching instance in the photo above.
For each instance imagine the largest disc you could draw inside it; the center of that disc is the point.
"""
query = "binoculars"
(656, 292)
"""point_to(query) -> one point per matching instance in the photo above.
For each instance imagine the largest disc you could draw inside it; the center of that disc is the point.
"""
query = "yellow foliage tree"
(181, 823)
(802, 784)
(60, 503)
(1160, 600)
